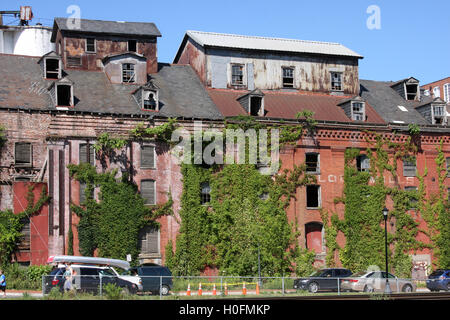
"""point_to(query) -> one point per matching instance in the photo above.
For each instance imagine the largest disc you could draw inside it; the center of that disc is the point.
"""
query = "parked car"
(87, 279)
(154, 278)
(325, 279)
(439, 280)
(375, 281)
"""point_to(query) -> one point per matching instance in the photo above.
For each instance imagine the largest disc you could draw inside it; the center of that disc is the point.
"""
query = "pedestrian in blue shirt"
(2, 283)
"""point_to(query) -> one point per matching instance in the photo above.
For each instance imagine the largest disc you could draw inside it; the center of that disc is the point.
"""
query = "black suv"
(87, 279)
(325, 279)
(153, 278)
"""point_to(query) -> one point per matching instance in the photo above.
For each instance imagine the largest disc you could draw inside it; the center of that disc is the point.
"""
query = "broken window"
(363, 163)
(148, 191)
(312, 196)
(148, 242)
(23, 154)
(147, 157)
(411, 91)
(128, 75)
(132, 45)
(237, 74)
(336, 81)
(87, 154)
(438, 114)
(150, 101)
(205, 193)
(64, 95)
(90, 45)
(52, 69)
(256, 106)
(358, 111)
(312, 163)
(288, 77)
(409, 167)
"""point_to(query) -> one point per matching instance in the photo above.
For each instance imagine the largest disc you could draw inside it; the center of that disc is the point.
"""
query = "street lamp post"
(387, 288)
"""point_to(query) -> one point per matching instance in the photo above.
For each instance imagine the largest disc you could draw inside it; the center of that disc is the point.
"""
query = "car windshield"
(106, 272)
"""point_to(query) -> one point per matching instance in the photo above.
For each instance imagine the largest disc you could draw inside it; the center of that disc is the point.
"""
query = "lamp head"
(385, 213)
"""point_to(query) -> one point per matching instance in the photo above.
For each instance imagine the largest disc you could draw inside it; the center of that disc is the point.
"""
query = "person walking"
(3, 283)
(68, 275)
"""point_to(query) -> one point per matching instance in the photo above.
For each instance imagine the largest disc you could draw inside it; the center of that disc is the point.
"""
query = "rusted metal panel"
(194, 55)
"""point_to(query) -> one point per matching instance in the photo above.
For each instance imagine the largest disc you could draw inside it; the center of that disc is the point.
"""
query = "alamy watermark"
(373, 22)
(235, 146)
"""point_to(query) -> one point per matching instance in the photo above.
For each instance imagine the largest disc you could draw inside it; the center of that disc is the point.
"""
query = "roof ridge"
(264, 38)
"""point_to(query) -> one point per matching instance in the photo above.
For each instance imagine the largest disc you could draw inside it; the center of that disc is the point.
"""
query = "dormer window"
(64, 96)
(358, 111)
(128, 75)
(439, 114)
(52, 68)
(256, 107)
(150, 100)
(412, 91)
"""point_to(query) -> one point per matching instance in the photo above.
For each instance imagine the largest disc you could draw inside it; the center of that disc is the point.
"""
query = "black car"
(154, 278)
(325, 279)
(87, 279)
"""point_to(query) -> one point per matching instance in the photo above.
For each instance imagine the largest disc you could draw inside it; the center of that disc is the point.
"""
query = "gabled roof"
(286, 105)
(144, 29)
(181, 93)
(211, 39)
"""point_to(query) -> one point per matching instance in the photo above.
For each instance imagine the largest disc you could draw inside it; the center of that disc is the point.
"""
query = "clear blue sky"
(413, 39)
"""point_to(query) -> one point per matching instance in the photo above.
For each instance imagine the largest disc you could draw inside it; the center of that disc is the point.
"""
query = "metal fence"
(224, 286)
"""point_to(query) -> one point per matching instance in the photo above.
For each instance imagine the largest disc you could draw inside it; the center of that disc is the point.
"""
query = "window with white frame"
(128, 75)
(147, 157)
(439, 114)
(237, 74)
(409, 167)
(90, 44)
(313, 196)
(312, 162)
(288, 77)
(447, 92)
(336, 81)
(437, 92)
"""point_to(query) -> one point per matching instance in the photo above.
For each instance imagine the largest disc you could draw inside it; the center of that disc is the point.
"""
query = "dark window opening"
(336, 81)
(205, 193)
(132, 45)
(150, 102)
(312, 196)
(64, 95)
(363, 163)
(148, 191)
(312, 162)
(288, 77)
(237, 74)
(23, 154)
(128, 73)
(411, 91)
(255, 106)
(52, 68)
(90, 45)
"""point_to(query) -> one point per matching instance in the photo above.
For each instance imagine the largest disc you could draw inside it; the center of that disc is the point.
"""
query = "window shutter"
(148, 191)
(147, 157)
(23, 154)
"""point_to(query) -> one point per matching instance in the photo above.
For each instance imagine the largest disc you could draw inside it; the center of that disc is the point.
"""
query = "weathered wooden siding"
(194, 55)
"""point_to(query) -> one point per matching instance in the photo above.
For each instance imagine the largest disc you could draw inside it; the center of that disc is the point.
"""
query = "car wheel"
(407, 288)
(165, 290)
(368, 289)
(313, 287)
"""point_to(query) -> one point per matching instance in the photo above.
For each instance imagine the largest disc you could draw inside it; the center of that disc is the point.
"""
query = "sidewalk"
(19, 293)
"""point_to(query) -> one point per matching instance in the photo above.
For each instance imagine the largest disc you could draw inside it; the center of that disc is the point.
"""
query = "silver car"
(375, 281)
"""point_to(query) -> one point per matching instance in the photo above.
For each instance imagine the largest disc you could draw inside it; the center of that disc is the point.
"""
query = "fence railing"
(222, 286)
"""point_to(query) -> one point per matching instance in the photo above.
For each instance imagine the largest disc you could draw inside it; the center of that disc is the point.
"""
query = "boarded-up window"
(314, 236)
(73, 61)
(25, 238)
(87, 154)
(148, 191)
(147, 157)
(149, 240)
(23, 154)
(409, 167)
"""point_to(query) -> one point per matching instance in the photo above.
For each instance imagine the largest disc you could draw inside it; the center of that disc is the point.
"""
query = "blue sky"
(413, 38)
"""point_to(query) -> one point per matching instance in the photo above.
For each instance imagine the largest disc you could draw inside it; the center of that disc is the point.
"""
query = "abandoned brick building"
(105, 77)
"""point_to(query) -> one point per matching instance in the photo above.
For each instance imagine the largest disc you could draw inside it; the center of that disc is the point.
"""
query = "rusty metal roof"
(270, 44)
(285, 105)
